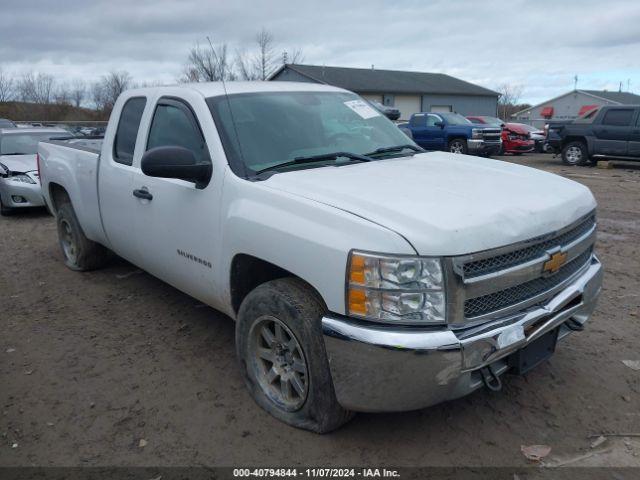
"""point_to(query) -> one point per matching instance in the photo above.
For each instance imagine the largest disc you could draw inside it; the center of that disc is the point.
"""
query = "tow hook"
(490, 379)
(572, 324)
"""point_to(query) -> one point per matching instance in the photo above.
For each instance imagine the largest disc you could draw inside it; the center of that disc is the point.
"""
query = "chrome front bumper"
(483, 146)
(377, 368)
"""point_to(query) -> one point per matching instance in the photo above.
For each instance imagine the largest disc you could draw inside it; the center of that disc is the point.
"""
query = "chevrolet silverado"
(363, 274)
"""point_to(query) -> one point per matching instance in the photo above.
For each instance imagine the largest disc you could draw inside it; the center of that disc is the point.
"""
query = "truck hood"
(446, 204)
(19, 163)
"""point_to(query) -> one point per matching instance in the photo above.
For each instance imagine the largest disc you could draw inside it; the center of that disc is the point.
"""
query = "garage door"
(441, 108)
(408, 105)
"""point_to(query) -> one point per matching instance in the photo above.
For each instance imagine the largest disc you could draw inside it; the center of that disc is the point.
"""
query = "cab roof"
(215, 89)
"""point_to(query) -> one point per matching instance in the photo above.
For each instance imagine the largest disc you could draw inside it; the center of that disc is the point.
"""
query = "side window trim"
(114, 155)
(190, 114)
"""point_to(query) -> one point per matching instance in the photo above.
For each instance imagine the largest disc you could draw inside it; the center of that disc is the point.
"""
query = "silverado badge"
(556, 261)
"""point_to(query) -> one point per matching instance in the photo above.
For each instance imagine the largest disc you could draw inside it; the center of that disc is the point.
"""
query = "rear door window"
(618, 117)
(128, 125)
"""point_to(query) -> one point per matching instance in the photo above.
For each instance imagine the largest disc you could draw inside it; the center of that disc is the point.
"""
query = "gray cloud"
(540, 45)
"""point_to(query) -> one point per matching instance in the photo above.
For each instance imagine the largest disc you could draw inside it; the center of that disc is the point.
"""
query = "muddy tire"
(79, 252)
(458, 145)
(575, 153)
(282, 355)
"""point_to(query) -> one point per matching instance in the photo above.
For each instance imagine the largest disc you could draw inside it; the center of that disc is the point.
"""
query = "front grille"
(500, 262)
(491, 135)
(511, 296)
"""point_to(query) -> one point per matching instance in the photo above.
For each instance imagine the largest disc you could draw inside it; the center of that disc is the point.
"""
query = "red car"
(516, 139)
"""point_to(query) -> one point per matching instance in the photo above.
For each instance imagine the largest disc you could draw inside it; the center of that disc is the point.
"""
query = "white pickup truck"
(363, 274)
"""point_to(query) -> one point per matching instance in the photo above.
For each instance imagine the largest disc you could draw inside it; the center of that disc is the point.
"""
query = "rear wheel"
(282, 356)
(458, 145)
(79, 252)
(575, 153)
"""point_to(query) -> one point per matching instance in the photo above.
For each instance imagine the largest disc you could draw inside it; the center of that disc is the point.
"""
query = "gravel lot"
(114, 367)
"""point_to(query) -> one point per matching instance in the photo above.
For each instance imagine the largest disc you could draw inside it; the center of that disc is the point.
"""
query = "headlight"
(403, 290)
(476, 133)
(21, 177)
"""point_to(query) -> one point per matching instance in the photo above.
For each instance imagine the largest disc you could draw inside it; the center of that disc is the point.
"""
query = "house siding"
(565, 108)
(408, 103)
(462, 104)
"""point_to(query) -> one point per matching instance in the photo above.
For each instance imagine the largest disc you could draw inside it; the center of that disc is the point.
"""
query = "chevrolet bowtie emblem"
(556, 261)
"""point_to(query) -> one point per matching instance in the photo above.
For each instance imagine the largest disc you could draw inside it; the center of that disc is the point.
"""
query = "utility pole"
(575, 82)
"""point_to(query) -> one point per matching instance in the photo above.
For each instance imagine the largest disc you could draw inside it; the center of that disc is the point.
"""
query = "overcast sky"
(540, 45)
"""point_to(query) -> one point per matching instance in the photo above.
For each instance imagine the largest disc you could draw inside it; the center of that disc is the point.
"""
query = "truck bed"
(93, 145)
(74, 164)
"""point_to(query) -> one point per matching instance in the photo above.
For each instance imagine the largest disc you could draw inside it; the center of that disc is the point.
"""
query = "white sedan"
(19, 181)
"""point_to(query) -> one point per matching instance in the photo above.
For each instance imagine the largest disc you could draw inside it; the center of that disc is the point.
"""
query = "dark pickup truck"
(606, 132)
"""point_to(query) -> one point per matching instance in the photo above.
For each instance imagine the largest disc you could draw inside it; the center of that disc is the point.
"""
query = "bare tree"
(62, 95)
(6, 87)
(106, 91)
(265, 61)
(36, 88)
(208, 64)
(509, 97)
(78, 91)
(245, 66)
(294, 56)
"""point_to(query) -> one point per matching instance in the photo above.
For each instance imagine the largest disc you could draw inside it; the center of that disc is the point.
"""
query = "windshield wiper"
(396, 148)
(316, 158)
(16, 153)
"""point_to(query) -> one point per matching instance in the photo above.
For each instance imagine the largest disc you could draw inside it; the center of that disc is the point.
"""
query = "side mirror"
(439, 124)
(176, 162)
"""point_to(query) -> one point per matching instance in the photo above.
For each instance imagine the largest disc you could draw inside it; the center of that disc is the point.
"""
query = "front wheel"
(575, 153)
(282, 356)
(458, 145)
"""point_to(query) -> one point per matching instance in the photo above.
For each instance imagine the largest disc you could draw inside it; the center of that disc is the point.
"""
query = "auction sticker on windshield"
(362, 109)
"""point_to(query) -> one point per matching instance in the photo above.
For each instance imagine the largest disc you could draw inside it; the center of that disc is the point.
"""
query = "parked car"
(516, 139)
(485, 120)
(605, 132)
(538, 136)
(6, 123)
(390, 112)
(363, 273)
(19, 180)
(454, 133)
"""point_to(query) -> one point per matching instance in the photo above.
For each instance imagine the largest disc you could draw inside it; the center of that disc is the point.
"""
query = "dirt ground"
(114, 367)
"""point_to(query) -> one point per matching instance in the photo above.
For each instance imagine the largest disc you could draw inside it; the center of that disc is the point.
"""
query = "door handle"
(142, 193)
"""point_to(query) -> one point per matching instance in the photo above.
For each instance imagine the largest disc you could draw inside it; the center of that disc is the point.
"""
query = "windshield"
(24, 143)
(271, 128)
(492, 121)
(454, 119)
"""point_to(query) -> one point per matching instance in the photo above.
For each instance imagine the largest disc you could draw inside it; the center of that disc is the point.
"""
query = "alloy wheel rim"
(67, 241)
(574, 154)
(279, 363)
(456, 147)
